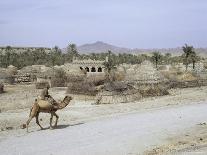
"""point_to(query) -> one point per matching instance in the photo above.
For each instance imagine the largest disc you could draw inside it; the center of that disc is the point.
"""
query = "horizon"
(179, 47)
(131, 24)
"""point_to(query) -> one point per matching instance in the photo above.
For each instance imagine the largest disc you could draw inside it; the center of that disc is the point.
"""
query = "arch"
(99, 69)
(93, 69)
(87, 69)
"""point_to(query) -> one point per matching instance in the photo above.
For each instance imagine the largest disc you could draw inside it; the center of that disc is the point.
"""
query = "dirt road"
(121, 135)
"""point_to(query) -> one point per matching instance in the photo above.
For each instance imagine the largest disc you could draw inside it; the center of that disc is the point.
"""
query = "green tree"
(109, 65)
(72, 52)
(188, 54)
(8, 55)
(194, 58)
(156, 57)
(167, 58)
(55, 56)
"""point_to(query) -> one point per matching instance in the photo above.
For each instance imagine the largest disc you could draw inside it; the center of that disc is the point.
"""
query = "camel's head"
(68, 99)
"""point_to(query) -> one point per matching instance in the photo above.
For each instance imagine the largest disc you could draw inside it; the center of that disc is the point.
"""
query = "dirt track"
(126, 134)
(81, 110)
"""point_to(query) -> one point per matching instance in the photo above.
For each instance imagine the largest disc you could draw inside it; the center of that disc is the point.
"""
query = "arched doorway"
(87, 69)
(93, 69)
(99, 69)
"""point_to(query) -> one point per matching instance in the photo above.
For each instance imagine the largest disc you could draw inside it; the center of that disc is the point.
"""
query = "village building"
(91, 66)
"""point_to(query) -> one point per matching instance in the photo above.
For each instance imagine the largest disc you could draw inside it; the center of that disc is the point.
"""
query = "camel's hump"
(44, 104)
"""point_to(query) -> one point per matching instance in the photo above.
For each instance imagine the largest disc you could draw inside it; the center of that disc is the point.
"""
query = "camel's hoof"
(23, 126)
(51, 128)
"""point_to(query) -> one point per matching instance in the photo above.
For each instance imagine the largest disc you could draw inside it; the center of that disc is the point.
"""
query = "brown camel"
(45, 107)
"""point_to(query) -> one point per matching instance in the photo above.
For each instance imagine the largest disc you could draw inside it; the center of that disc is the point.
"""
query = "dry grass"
(42, 84)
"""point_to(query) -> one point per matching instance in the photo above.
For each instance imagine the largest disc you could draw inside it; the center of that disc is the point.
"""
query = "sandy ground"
(121, 135)
(14, 106)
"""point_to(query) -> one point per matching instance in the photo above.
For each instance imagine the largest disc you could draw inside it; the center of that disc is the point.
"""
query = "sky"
(125, 23)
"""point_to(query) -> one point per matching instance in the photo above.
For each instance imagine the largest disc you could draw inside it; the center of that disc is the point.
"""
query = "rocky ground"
(15, 103)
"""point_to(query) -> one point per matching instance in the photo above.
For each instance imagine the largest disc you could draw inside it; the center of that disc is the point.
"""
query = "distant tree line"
(57, 57)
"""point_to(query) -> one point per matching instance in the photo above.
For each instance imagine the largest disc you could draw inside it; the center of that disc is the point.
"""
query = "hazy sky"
(126, 23)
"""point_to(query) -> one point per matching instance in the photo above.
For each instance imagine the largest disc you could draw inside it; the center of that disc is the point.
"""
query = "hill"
(99, 47)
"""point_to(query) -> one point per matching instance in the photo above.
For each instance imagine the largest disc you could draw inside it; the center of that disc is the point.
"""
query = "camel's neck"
(62, 104)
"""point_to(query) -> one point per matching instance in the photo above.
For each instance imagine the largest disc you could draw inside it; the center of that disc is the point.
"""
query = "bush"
(1, 88)
(41, 85)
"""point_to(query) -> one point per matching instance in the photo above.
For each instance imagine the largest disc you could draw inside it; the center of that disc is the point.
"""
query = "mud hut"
(54, 77)
(77, 82)
(148, 80)
(6, 76)
(12, 70)
(75, 74)
(31, 72)
(26, 74)
(117, 92)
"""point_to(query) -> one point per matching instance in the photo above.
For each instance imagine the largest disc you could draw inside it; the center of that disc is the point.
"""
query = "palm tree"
(188, 51)
(194, 58)
(156, 57)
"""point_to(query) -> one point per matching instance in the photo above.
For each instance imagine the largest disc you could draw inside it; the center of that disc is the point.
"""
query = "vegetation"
(189, 56)
(156, 57)
(56, 57)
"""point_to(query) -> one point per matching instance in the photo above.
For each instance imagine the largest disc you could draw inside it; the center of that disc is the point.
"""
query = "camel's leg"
(51, 121)
(37, 120)
(56, 119)
(28, 121)
(32, 114)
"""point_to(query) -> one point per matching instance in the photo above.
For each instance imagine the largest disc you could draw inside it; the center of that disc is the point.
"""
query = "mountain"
(99, 47)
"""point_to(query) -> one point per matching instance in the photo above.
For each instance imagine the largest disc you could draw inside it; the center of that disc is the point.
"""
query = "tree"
(167, 57)
(109, 65)
(8, 55)
(188, 51)
(72, 52)
(194, 58)
(156, 57)
(55, 56)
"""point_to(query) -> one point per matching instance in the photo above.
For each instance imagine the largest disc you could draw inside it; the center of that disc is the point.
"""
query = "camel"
(46, 107)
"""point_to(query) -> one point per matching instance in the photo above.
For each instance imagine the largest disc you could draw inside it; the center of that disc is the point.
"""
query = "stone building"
(91, 66)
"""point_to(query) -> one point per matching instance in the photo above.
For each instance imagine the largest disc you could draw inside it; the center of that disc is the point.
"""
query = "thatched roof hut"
(55, 77)
(6, 76)
(12, 69)
(148, 80)
(75, 74)
(146, 73)
(117, 92)
(33, 70)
